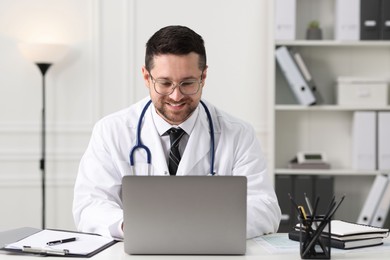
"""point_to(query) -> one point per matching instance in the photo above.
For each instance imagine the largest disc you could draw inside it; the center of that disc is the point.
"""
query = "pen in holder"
(315, 230)
(314, 237)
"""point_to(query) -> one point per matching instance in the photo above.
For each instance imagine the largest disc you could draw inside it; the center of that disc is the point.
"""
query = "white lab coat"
(97, 203)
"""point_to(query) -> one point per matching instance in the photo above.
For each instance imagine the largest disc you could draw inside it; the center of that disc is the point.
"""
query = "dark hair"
(178, 40)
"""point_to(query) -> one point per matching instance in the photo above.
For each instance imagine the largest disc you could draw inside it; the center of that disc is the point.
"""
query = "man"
(175, 72)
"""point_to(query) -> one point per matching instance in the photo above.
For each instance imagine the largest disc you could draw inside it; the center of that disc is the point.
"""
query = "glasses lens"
(189, 87)
(163, 87)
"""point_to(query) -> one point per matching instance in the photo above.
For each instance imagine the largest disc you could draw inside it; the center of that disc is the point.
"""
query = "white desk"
(254, 251)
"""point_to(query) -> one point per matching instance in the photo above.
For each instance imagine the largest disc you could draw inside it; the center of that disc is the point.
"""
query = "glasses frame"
(175, 85)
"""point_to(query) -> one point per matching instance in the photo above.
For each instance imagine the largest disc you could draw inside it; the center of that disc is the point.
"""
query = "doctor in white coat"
(175, 72)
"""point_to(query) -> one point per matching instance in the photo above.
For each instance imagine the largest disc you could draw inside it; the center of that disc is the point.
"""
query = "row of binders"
(371, 140)
(362, 20)
(354, 20)
(377, 204)
(298, 76)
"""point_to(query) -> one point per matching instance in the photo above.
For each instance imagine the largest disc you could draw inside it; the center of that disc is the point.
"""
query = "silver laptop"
(184, 214)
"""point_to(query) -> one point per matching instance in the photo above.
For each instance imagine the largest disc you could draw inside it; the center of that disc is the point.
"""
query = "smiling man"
(175, 129)
(175, 103)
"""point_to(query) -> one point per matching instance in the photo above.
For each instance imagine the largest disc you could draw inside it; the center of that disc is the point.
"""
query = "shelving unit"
(326, 127)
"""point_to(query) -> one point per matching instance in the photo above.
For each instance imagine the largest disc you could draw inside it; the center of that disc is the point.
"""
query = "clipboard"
(34, 241)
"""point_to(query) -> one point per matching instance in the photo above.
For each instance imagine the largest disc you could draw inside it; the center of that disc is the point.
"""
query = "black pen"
(294, 203)
(336, 207)
(61, 241)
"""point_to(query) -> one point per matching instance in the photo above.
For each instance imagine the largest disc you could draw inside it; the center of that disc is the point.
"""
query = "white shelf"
(334, 172)
(328, 108)
(333, 43)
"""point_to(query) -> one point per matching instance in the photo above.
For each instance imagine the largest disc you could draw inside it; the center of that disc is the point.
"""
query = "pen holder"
(314, 237)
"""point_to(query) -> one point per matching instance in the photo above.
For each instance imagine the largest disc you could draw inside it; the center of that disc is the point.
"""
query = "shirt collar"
(163, 126)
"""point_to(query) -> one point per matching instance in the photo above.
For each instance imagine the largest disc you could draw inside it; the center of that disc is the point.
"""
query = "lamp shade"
(43, 52)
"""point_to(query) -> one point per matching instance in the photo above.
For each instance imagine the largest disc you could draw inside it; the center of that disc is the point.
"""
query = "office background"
(102, 74)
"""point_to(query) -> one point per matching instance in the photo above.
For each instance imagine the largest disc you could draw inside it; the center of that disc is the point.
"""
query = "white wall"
(102, 74)
(72, 107)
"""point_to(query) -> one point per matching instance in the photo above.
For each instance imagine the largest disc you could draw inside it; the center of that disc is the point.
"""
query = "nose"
(176, 94)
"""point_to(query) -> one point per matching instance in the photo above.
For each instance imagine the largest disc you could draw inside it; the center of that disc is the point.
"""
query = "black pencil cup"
(314, 238)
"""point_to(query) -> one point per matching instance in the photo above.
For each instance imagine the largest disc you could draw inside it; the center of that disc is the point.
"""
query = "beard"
(172, 116)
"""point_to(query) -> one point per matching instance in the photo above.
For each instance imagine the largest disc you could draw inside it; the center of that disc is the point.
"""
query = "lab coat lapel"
(197, 148)
(151, 139)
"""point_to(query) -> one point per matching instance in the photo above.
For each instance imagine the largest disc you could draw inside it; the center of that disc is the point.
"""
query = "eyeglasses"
(166, 87)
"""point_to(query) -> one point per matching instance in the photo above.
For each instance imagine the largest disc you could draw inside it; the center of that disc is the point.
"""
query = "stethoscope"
(140, 145)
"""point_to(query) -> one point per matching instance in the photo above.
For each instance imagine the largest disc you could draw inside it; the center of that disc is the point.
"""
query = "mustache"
(174, 102)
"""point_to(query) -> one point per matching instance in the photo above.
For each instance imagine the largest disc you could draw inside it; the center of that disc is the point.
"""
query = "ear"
(145, 74)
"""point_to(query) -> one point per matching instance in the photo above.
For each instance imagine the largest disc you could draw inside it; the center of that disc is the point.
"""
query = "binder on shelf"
(324, 188)
(306, 74)
(364, 140)
(385, 32)
(378, 188)
(300, 186)
(384, 141)
(382, 210)
(285, 19)
(347, 16)
(370, 19)
(295, 79)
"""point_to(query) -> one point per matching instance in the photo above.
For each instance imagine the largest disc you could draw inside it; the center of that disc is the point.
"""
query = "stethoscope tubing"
(212, 138)
(140, 145)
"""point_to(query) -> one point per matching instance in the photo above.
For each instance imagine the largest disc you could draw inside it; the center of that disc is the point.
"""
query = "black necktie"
(175, 134)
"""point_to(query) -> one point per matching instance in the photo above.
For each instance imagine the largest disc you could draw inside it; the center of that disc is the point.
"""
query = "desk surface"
(254, 251)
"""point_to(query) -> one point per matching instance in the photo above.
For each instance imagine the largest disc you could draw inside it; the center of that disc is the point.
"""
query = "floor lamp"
(44, 56)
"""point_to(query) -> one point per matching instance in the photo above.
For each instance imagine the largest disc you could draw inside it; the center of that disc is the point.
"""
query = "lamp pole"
(44, 55)
(43, 67)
